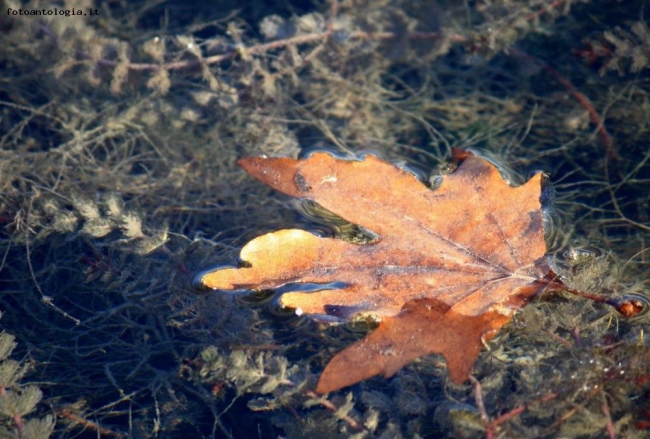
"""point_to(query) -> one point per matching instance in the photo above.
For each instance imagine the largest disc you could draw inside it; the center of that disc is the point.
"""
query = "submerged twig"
(333, 408)
(491, 425)
(581, 98)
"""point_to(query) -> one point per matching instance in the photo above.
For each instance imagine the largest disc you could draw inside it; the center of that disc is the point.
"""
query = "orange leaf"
(450, 266)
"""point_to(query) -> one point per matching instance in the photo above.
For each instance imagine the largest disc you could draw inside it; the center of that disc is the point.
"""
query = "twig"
(490, 426)
(333, 408)
(611, 431)
(18, 421)
(67, 414)
(279, 44)
(569, 413)
(478, 397)
(581, 98)
(480, 405)
(627, 306)
(45, 300)
(617, 207)
(541, 10)
(334, 10)
(518, 410)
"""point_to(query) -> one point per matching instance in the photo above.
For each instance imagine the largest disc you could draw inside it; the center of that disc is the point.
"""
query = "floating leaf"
(449, 267)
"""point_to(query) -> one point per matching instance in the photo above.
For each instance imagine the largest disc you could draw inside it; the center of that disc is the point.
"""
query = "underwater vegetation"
(119, 139)
(447, 268)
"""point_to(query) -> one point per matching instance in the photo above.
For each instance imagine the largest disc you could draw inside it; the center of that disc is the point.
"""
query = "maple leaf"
(449, 268)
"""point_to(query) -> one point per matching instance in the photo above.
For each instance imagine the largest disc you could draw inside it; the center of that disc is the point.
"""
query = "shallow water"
(118, 183)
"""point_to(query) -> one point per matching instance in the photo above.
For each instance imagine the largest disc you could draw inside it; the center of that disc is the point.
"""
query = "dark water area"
(120, 129)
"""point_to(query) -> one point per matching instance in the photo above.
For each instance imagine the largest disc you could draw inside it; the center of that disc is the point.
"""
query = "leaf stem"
(627, 306)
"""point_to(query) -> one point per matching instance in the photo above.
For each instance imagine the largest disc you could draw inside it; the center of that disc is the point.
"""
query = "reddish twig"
(581, 98)
(333, 408)
(478, 397)
(480, 405)
(18, 421)
(259, 49)
(334, 10)
(611, 431)
(67, 414)
(541, 10)
(626, 306)
(519, 410)
(491, 426)
(566, 416)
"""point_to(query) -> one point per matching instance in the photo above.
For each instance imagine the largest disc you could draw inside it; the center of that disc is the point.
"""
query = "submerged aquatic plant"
(18, 401)
(119, 135)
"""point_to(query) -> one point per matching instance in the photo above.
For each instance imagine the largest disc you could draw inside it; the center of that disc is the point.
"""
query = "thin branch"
(581, 98)
(611, 430)
(333, 408)
(259, 49)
